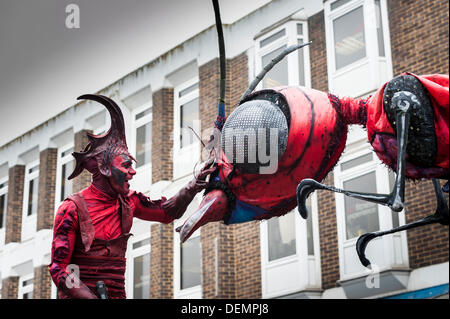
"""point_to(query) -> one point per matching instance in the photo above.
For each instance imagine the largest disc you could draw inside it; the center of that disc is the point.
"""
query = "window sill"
(389, 280)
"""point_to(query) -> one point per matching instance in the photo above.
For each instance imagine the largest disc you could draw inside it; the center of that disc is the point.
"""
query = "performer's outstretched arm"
(64, 237)
(166, 210)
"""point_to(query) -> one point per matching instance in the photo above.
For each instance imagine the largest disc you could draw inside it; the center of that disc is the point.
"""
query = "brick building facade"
(236, 261)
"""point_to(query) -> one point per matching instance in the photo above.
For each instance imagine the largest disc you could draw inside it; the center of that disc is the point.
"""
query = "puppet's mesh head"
(256, 131)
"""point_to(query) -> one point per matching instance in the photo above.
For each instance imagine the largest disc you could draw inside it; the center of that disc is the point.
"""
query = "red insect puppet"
(407, 122)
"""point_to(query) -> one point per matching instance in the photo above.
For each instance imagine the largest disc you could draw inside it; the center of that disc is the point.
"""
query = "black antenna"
(269, 66)
(221, 108)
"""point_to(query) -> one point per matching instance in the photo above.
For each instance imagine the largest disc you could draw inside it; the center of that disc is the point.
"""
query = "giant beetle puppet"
(407, 122)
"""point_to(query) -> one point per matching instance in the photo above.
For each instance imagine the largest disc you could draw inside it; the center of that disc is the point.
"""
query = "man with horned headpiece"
(92, 227)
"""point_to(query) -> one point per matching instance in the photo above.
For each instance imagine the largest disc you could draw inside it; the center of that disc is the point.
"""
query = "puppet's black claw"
(306, 187)
(361, 245)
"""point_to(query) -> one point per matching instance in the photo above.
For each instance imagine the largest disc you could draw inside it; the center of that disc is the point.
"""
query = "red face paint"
(121, 172)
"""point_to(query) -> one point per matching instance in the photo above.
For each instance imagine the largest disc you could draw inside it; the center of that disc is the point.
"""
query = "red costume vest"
(100, 259)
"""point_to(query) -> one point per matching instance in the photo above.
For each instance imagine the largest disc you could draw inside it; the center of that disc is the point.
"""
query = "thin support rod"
(221, 53)
(270, 65)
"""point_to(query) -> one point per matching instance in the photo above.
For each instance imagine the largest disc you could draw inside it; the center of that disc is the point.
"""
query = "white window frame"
(297, 272)
(148, 118)
(29, 222)
(27, 289)
(61, 161)
(143, 173)
(185, 158)
(290, 38)
(137, 252)
(194, 292)
(394, 248)
(3, 191)
(379, 69)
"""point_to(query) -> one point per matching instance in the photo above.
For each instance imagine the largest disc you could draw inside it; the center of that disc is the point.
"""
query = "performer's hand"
(176, 205)
(199, 182)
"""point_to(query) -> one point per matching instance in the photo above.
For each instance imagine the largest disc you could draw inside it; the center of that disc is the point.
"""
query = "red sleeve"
(64, 237)
(151, 210)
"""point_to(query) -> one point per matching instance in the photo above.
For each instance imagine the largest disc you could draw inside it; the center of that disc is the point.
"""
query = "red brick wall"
(161, 261)
(419, 44)
(10, 288)
(47, 182)
(162, 141)
(42, 283)
(248, 260)
(13, 229)
(318, 52)
(419, 36)
(329, 252)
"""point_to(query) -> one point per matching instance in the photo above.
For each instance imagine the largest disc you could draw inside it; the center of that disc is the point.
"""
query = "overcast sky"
(44, 65)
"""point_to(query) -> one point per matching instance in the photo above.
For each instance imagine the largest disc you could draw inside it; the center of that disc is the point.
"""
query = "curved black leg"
(440, 216)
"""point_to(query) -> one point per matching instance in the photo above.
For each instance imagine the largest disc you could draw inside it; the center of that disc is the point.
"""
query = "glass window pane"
(66, 185)
(27, 282)
(141, 288)
(356, 161)
(361, 216)
(144, 144)
(33, 196)
(349, 43)
(141, 243)
(278, 76)
(33, 169)
(190, 257)
(143, 113)
(281, 236)
(188, 90)
(301, 65)
(379, 24)
(299, 29)
(188, 114)
(309, 228)
(28, 295)
(66, 153)
(272, 38)
(338, 3)
(3, 201)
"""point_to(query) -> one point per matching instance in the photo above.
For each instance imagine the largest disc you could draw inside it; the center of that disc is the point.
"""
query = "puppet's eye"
(254, 135)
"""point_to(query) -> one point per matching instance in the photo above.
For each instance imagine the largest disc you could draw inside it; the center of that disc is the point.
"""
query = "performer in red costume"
(92, 227)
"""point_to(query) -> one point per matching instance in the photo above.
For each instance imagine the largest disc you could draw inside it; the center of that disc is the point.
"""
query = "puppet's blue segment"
(244, 212)
(221, 109)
